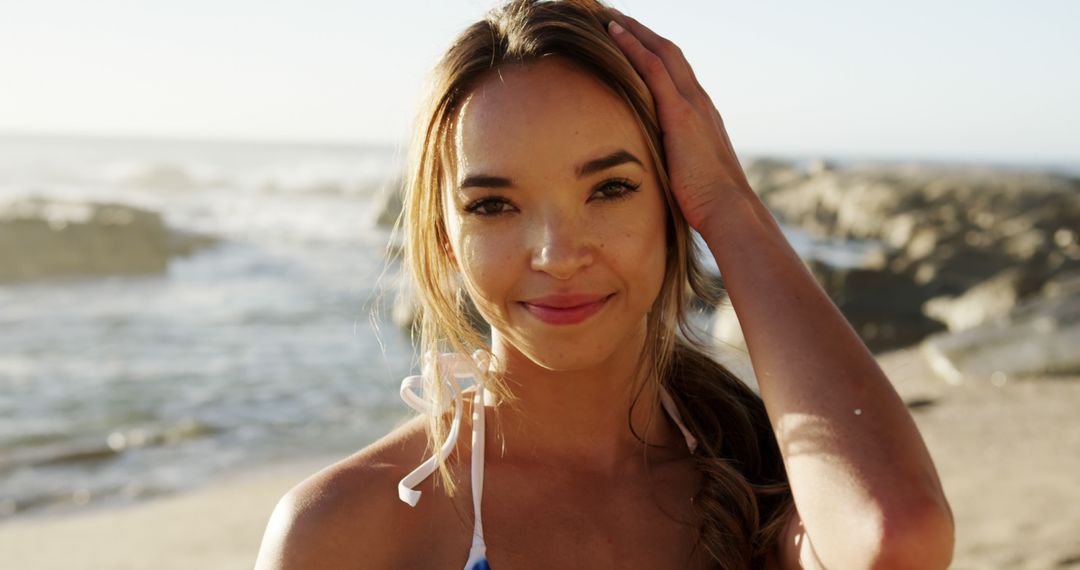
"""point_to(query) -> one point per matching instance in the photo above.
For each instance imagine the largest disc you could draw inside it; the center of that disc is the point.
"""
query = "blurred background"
(196, 200)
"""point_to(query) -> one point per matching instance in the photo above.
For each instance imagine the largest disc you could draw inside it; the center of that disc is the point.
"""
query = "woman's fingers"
(679, 69)
(672, 102)
(645, 45)
(653, 70)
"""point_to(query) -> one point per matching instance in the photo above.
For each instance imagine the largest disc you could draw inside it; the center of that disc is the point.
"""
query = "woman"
(558, 167)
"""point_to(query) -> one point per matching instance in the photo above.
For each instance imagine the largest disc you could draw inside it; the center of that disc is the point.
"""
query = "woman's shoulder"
(345, 512)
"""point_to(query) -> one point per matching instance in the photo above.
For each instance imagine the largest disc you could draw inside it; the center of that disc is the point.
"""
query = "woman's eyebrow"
(589, 167)
(605, 162)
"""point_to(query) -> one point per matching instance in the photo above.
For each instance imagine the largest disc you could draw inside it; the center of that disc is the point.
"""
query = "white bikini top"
(455, 367)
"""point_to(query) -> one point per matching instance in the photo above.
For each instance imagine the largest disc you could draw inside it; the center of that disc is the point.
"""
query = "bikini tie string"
(669, 405)
(454, 368)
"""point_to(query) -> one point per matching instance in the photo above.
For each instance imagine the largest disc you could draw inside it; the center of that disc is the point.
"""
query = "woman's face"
(555, 216)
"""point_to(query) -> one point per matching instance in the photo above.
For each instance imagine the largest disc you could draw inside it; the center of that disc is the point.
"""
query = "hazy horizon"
(1065, 165)
(959, 82)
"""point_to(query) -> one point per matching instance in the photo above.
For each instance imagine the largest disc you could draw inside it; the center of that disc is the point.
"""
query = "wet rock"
(1038, 337)
(47, 238)
(997, 234)
(183, 243)
(916, 208)
(766, 175)
(884, 308)
(987, 300)
(839, 204)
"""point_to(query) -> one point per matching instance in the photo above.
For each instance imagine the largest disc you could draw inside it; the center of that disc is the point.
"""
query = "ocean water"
(258, 349)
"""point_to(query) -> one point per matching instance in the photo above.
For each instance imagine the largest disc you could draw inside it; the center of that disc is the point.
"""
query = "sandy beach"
(1007, 454)
(219, 526)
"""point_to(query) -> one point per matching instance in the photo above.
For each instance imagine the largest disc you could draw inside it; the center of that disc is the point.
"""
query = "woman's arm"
(865, 488)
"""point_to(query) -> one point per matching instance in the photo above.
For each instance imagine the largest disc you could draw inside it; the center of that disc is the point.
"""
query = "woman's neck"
(576, 420)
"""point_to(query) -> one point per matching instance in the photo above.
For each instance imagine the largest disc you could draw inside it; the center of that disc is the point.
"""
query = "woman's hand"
(704, 171)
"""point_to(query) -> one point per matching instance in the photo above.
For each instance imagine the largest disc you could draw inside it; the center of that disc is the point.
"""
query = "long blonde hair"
(745, 498)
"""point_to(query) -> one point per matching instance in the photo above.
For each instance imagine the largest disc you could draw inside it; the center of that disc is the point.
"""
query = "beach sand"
(1008, 456)
(218, 526)
(1009, 459)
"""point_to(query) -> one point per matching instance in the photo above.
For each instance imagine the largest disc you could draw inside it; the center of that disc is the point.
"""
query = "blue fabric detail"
(481, 565)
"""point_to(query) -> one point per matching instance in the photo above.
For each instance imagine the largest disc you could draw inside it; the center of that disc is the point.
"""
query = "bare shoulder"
(341, 516)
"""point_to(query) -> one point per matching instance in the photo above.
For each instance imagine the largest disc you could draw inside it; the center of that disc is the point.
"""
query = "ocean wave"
(172, 177)
(42, 502)
(163, 176)
(91, 449)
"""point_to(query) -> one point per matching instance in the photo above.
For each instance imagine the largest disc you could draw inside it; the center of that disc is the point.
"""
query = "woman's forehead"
(547, 117)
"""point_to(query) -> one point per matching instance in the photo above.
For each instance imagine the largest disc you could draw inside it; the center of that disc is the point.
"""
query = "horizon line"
(1069, 165)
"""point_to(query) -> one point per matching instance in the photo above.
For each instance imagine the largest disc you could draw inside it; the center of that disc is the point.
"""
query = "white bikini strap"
(453, 369)
(669, 405)
(478, 550)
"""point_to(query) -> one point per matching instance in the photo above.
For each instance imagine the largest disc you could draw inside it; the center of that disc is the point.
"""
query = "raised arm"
(865, 488)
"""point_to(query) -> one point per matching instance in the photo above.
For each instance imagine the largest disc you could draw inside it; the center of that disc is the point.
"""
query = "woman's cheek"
(489, 266)
(640, 249)
(632, 241)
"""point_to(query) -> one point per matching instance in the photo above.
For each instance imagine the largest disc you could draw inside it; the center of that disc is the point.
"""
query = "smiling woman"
(556, 174)
(575, 227)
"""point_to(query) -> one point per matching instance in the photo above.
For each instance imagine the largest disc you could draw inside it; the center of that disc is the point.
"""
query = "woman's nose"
(561, 247)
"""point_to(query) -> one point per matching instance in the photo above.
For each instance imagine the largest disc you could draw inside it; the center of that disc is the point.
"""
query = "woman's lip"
(566, 315)
(566, 300)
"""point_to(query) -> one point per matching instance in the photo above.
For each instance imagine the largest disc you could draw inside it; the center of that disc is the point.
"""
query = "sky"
(966, 80)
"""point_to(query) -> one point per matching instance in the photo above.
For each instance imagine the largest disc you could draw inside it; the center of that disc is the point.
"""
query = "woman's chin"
(562, 354)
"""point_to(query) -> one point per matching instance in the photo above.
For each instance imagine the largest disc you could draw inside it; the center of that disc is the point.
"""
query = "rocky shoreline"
(979, 267)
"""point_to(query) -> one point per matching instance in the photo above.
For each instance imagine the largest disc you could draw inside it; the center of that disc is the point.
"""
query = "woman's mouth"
(566, 309)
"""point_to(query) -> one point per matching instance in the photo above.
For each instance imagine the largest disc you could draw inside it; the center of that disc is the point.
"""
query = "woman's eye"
(616, 189)
(488, 207)
(609, 191)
